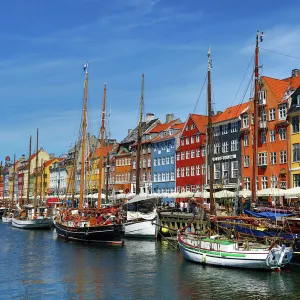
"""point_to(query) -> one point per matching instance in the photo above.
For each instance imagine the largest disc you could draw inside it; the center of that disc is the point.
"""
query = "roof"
(230, 113)
(161, 127)
(165, 137)
(50, 161)
(295, 82)
(200, 121)
(104, 151)
(277, 86)
(178, 126)
(132, 136)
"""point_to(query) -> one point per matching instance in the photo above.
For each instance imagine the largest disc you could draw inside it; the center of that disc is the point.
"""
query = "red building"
(272, 153)
(191, 154)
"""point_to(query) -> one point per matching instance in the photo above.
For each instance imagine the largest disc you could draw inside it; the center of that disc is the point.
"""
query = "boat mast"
(210, 137)
(74, 176)
(255, 119)
(107, 176)
(139, 140)
(13, 187)
(28, 172)
(41, 182)
(36, 169)
(101, 152)
(83, 136)
(2, 175)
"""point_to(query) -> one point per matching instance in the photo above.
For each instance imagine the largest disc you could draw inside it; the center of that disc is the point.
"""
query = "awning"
(267, 214)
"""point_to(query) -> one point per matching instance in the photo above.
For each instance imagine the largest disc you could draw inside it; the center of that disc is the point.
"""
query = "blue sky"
(44, 45)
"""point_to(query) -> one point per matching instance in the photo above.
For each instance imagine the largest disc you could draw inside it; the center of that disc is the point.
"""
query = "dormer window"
(187, 128)
(171, 131)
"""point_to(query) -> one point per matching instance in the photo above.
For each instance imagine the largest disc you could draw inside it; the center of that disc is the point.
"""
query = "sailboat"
(140, 211)
(219, 250)
(32, 216)
(8, 213)
(90, 225)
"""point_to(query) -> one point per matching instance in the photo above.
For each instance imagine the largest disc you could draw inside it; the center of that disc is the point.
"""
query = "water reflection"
(36, 263)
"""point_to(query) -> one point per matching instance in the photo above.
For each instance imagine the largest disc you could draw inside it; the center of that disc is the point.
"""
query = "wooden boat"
(218, 251)
(86, 225)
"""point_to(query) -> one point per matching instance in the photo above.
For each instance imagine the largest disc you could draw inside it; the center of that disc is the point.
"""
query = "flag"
(85, 67)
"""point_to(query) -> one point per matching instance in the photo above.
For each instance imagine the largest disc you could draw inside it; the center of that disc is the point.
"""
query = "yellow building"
(294, 139)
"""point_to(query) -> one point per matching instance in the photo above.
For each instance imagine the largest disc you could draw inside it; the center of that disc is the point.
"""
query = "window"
(192, 171)
(224, 147)
(234, 127)
(182, 155)
(154, 162)
(149, 162)
(159, 177)
(295, 124)
(192, 153)
(297, 180)
(272, 114)
(134, 164)
(225, 170)
(217, 148)
(225, 129)
(144, 163)
(192, 140)
(203, 169)
(182, 142)
(172, 176)
(178, 189)
(167, 176)
(282, 133)
(159, 161)
(192, 126)
(144, 176)
(264, 182)
(296, 152)
(187, 141)
(245, 121)
(282, 112)
(172, 159)
(182, 172)
(167, 160)
(155, 177)
(274, 182)
(262, 97)
(247, 183)
(187, 154)
(246, 161)
(217, 131)
(283, 157)
(234, 145)
(273, 158)
(187, 171)
(163, 176)
(263, 137)
(283, 184)
(163, 161)
(178, 172)
(262, 159)
(246, 140)
(272, 135)
(217, 171)
(197, 138)
(197, 170)
(234, 169)
(263, 115)
(178, 155)
(187, 128)
(203, 150)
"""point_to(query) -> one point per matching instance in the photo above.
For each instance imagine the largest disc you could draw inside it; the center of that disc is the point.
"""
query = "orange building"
(272, 153)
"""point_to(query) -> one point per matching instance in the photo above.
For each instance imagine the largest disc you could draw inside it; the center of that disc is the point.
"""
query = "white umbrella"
(203, 194)
(224, 194)
(95, 196)
(186, 195)
(271, 192)
(245, 193)
(174, 195)
(293, 192)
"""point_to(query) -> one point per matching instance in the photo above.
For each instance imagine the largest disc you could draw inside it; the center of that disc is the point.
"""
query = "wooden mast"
(210, 137)
(83, 136)
(2, 175)
(13, 187)
(255, 119)
(107, 168)
(74, 176)
(101, 152)
(139, 140)
(36, 169)
(41, 181)
(28, 172)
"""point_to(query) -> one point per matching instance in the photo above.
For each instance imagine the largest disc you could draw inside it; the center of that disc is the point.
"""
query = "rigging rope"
(296, 57)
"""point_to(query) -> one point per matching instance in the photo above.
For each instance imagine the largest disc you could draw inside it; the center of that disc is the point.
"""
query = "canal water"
(37, 265)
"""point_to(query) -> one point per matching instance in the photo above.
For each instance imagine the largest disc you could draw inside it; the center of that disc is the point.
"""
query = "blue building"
(163, 160)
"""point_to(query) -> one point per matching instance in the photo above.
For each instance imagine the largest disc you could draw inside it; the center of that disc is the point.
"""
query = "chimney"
(169, 118)
(129, 131)
(295, 73)
(149, 117)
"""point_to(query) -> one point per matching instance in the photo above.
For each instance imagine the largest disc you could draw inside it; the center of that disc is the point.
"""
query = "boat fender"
(204, 258)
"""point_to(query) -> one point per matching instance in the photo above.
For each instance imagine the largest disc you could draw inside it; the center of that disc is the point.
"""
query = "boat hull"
(140, 229)
(105, 234)
(6, 219)
(32, 224)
